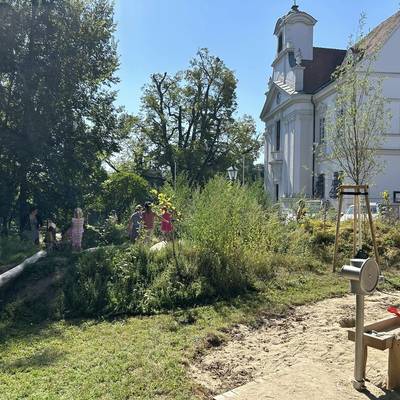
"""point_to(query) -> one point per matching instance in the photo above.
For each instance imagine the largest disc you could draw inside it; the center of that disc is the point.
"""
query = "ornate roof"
(294, 15)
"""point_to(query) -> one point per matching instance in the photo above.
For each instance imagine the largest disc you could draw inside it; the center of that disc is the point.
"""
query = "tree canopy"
(58, 120)
(188, 121)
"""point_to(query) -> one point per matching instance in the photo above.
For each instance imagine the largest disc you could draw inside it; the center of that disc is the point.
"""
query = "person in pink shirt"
(148, 218)
(166, 223)
(77, 229)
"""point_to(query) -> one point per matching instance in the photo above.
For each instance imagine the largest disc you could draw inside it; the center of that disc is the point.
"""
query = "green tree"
(359, 117)
(121, 191)
(57, 115)
(188, 122)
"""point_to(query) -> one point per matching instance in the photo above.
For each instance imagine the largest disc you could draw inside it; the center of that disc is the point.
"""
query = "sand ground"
(305, 355)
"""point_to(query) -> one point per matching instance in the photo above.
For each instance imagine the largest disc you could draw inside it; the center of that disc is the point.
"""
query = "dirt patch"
(308, 349)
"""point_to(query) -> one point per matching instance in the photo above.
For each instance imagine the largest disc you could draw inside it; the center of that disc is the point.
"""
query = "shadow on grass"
(40, 359)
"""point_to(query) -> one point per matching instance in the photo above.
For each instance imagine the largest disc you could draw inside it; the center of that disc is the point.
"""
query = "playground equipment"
(382, 335)
(364, 275)
(364, 278)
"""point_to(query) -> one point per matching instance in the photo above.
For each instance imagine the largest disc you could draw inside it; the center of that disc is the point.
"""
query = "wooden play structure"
(382, 335)
(358, 192)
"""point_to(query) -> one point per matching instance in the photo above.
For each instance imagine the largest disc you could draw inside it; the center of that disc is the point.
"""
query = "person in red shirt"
(148, 217)
(166, 223)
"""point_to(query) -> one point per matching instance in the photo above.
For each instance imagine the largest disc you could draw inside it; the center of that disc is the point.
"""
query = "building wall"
(301, 37)
(292, 168)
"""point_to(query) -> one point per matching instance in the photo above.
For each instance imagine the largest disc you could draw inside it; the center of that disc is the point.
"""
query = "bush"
(120, 191)
(91, 237)
(234, 233)
(107, 234)
(134, 280)
(230, 243)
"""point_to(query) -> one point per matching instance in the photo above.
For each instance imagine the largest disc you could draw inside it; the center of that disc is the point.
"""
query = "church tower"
(294, 33)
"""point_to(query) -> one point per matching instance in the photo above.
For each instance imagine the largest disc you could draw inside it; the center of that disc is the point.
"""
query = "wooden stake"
(355, 214)
(337, 229)
(371, 225)
(357, 228)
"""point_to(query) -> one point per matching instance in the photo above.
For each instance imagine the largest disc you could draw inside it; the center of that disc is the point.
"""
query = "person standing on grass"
(135, 223)
(77, 229)
(166, 223)
(148, 222)
(31, 225)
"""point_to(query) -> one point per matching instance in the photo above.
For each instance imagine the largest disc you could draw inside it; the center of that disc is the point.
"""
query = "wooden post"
(394, 366)
(371, 224)
(357, 228)
(337, 229)
(355, 214)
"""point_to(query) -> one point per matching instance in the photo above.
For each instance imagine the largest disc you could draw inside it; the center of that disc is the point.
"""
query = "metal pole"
(359, 365)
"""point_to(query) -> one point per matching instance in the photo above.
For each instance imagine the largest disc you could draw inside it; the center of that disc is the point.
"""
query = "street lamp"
(232, 173)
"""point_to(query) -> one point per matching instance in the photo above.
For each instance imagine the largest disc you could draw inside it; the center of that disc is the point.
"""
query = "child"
(135, 223)
(50, 238)
(166, 223)
(148, 221)
(77, 229)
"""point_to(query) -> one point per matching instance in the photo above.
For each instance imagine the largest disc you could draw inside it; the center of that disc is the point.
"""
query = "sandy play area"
(305, 355)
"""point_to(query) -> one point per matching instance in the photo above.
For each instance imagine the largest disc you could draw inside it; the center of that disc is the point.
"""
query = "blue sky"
(162, 36)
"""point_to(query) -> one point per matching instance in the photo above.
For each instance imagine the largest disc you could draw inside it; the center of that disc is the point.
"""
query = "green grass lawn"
(136, 357)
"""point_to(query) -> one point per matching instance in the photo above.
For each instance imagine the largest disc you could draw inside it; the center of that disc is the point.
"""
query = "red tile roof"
(378, 36)
(318, 72)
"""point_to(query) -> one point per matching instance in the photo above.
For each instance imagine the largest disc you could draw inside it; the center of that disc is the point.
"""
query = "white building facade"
(299, 94)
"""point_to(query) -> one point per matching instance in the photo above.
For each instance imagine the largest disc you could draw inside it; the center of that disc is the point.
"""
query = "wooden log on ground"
(16, 271)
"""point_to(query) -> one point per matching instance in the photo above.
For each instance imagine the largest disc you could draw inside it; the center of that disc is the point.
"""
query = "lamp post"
(232, 173)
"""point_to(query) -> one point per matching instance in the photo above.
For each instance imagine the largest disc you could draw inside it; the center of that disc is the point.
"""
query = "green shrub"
(119, 192)
(91, 237)
(235, 233)
(113, 233)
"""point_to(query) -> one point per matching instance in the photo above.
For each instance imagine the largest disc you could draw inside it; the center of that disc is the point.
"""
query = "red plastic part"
(394, 310)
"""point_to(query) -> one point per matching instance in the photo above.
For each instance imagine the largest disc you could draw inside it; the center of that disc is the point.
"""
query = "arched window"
(280, 42)
(320, 187)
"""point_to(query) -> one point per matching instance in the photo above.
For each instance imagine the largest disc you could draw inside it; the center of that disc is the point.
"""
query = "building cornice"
(294, 99)
(281, 55)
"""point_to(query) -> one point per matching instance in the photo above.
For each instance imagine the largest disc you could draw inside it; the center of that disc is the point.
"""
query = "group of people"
(32, 223)
(142, 223)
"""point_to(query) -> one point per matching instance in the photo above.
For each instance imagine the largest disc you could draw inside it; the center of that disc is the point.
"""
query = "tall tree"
(359, 118)
(188, 122)
(57, 114)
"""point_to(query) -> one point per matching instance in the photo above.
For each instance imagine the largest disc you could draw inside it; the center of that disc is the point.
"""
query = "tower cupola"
(295, 31)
